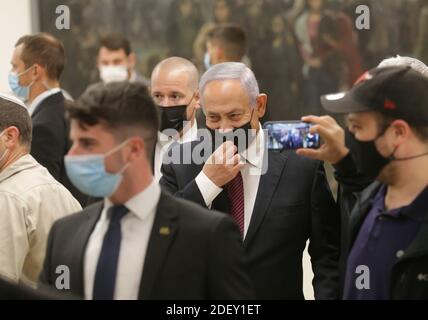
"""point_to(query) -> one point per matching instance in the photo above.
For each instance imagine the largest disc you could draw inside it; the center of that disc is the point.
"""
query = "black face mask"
(368, 160)
(172, 117)
(242, 137)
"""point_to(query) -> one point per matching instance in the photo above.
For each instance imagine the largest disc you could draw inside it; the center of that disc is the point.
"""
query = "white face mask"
(113, 73)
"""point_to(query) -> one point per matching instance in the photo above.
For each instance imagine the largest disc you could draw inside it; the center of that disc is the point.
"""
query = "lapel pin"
(164, 231)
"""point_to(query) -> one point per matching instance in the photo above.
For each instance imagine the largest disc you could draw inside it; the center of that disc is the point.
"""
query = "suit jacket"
(51, 140)
(13, 291)
(294, 203)
(200, 258)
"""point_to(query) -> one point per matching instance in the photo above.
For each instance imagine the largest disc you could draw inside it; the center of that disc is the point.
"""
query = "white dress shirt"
(251, 172)
(40, 98)
(165, 142)
(136, 228)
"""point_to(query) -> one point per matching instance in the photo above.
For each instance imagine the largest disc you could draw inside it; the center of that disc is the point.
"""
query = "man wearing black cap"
(385, 250)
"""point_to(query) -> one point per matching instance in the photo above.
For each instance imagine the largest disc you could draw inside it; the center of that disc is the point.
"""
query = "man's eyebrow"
(178, 93)
(212, 113)
(88, 139)
(234, 111)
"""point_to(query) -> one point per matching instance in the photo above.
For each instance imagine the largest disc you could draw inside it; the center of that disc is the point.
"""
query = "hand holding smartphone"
(291, 135)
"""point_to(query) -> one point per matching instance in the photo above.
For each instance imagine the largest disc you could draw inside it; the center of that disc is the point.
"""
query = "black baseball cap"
(398, 92)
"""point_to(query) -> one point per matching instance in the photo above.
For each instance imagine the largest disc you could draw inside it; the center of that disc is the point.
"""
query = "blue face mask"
(207, 60)
(88, 174)
(20, 91)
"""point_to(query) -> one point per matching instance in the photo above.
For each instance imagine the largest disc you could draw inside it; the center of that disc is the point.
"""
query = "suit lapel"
(163, 233)
(267, 186)
(221, 203)
(79, 246)
(55, 98)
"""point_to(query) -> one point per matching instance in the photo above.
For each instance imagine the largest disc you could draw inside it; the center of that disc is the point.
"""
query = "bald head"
(176, 67)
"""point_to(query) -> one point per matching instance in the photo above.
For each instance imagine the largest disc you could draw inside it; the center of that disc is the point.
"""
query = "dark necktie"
(105, 276)
(235, 191)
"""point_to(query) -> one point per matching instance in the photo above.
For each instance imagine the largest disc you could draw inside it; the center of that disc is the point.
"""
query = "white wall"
(15, 21)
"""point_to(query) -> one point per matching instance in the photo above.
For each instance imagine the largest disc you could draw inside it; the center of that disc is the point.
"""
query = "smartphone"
(291, 135)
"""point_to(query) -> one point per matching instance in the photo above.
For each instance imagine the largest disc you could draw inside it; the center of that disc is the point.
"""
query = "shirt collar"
(255, 152)
(40, 98)
(133, 77)
(190, 135)
(23, 163)
(415, 211)
(144, 203)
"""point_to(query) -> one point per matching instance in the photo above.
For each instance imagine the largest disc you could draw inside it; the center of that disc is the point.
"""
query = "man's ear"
(38, 72)
(12, 136)
(401, 130)
(220, 55)
(261, 105)
(137, 147)
(132, 60)
(197, 100)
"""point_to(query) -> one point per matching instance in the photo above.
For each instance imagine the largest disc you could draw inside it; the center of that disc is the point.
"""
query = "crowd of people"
(298, 49)
(129, 191)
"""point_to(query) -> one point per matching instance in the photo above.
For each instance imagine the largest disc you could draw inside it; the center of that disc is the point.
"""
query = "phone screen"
(291, 135)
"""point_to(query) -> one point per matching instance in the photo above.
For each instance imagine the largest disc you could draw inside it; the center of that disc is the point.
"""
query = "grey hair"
(232, 71)
(413, 63)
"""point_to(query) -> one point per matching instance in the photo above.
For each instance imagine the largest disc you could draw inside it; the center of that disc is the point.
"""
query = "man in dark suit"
(278, 200)
(37, 64)
(139, 242)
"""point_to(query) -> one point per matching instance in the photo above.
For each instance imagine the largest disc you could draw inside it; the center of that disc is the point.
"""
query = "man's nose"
(73, 150)
(225, 126)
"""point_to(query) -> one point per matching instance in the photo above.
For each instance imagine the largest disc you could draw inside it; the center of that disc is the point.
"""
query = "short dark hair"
(14, 115)
(114, 42)
(45, 50)
(232, 38)
(119, 106)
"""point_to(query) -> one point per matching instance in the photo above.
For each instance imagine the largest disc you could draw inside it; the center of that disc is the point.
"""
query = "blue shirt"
(382, 241)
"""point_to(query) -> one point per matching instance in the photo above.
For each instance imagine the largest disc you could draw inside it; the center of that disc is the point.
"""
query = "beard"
(389, 174)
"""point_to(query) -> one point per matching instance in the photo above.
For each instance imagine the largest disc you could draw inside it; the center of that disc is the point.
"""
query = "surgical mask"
(173, 117)
(21, 92)
(110, 74)
(242, 137)
(207, 60)
(88, 174)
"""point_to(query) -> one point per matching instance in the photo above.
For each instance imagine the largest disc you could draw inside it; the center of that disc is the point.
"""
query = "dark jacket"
(409, 278)
(51, 140)
(294, 204)
(200, 258)
(14, 291)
